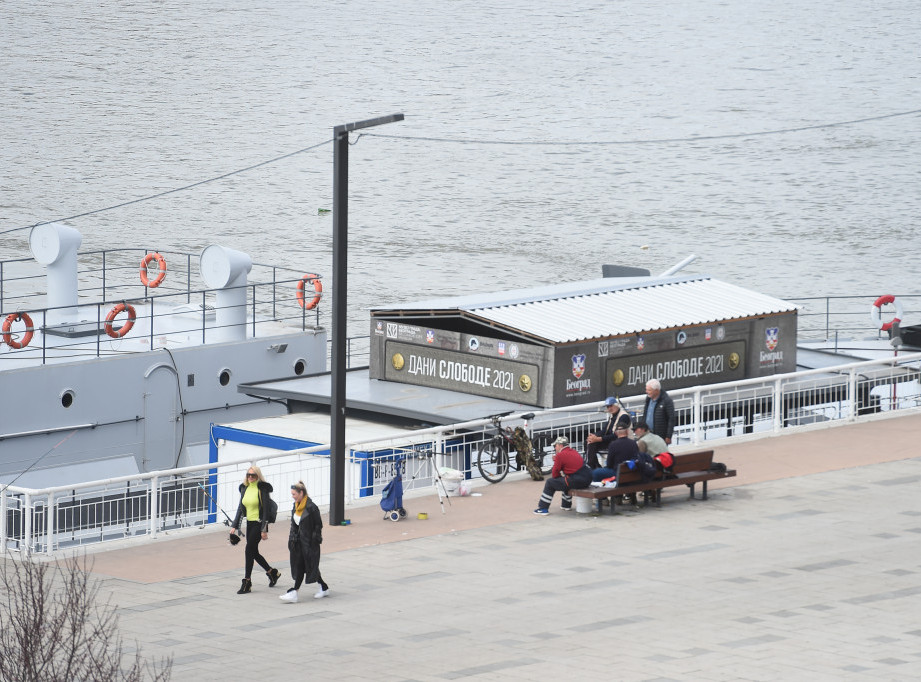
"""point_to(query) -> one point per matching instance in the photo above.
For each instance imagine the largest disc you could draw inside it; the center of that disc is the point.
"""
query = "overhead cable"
(171, 191)
(664, 140)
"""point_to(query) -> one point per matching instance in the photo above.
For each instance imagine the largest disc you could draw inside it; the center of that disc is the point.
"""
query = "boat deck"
(806, 564)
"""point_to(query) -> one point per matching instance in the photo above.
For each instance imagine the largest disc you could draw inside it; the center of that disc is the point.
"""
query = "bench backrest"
(628, 476)
(693, 461)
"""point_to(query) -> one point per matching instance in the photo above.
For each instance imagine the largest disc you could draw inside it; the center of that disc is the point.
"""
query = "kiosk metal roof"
(582, 311)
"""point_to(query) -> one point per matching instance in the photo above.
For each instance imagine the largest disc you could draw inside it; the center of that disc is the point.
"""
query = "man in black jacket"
(600, 440)
(659, 411)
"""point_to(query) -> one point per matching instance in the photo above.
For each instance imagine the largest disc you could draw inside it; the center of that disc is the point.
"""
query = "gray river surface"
(541, 138)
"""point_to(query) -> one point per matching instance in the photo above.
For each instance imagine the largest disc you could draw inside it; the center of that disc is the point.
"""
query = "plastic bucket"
(583, 505)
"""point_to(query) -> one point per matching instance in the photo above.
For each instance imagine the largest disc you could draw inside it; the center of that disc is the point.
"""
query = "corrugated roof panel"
(635, 310)
(580, 311)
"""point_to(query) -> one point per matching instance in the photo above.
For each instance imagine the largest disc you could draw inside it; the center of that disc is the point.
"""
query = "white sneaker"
(290, 596)
(321, 593)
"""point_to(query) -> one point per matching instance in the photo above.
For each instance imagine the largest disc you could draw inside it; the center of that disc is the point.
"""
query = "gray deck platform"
(806, 566)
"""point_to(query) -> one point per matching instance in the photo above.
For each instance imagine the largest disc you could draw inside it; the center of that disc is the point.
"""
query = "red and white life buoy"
(125, 328)
(875, 312)
(161, 270)
(317, 287)
(8, 326)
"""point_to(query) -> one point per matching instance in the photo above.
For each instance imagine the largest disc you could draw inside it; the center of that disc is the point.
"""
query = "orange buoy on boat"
(317, 287)
(8, 326)
(161, 270)
(125, 328)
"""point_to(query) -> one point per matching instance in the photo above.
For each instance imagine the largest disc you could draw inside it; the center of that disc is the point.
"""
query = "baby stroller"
(392, 499)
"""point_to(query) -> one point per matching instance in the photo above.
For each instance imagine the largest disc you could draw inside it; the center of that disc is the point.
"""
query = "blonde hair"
(300, 487)
(256, 470)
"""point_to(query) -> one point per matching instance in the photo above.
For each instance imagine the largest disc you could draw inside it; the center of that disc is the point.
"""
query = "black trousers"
(253, 538)
(564, 484)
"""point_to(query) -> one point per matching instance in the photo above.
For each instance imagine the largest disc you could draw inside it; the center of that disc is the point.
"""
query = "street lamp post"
(340, 306)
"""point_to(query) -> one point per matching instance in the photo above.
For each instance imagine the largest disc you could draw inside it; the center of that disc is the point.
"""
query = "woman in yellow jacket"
(254, 503)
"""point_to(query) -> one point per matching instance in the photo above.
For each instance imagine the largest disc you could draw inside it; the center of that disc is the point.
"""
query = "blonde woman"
(304, 544)
(254, 504)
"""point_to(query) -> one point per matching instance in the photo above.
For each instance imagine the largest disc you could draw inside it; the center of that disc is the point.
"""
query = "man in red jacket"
(569, 472)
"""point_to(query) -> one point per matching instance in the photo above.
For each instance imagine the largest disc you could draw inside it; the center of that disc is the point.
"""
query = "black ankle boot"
(246, 587)
(274, 575)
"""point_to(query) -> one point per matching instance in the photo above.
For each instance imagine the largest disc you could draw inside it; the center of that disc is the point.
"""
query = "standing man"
(659, 411)
(569, 472)
(600, 440)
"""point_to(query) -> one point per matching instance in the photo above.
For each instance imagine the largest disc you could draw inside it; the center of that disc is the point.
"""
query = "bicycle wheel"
(543, 455)
(492, 461)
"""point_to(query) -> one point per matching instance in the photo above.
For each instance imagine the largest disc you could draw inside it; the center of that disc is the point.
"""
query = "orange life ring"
(161, 270)
(317, 287)
(125, 328)
(7, 326)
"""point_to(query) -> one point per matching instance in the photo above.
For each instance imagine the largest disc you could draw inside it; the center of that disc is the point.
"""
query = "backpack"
(271, 510)
(664, 462)
(646, 465)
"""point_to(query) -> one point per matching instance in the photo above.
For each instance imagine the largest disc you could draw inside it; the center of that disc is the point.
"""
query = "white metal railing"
(48, 519)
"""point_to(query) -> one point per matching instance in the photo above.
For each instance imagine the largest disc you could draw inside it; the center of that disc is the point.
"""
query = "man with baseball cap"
(569, 472)
(599, 441)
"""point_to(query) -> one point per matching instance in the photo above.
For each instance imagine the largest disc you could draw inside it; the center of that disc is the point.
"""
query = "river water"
(541, 138)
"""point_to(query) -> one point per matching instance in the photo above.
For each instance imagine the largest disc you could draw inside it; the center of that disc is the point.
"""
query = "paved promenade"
(806, 566)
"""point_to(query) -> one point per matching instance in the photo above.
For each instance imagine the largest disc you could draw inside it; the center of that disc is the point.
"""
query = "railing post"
(3, 511)
(777, 411)
(49, 524)
(154, 505)
(697, 417)
(439, 442)
(852, 394)
(27, 523)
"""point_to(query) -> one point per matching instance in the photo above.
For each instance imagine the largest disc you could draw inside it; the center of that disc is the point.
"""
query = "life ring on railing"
(161, 270)
(8, 325)
(317, 287)
(876, 309)
(125, 328)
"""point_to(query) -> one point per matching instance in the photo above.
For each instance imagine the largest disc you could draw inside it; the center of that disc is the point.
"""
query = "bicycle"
(534, 453)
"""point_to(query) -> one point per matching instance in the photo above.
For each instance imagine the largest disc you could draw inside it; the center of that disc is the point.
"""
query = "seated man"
(647, 441)
(569, 472)
(621, 449)
(600, 440)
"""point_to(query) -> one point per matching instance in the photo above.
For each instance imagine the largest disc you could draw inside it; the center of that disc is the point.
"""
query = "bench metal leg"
(691, 487)
(705, 490)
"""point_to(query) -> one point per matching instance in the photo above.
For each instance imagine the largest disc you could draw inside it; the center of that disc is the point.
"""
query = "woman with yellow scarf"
(304, 544)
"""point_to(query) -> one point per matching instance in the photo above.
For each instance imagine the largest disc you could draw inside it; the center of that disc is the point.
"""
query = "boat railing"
(181, 310)
(830, 317)
(111, 274)
(145, 505)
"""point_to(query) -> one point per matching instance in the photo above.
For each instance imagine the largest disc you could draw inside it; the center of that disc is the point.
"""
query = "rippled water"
(107, 102)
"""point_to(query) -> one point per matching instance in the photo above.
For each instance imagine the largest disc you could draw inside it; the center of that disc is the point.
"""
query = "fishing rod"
(229, 521)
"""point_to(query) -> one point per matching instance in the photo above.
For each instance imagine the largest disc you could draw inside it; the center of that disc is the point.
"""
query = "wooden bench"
(689, 469)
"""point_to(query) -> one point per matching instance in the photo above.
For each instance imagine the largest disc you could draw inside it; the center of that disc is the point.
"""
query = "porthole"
(224, 377)
(300, 366)
(67, 398)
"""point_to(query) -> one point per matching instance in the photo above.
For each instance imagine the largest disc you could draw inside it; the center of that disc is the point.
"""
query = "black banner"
(455, 371)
